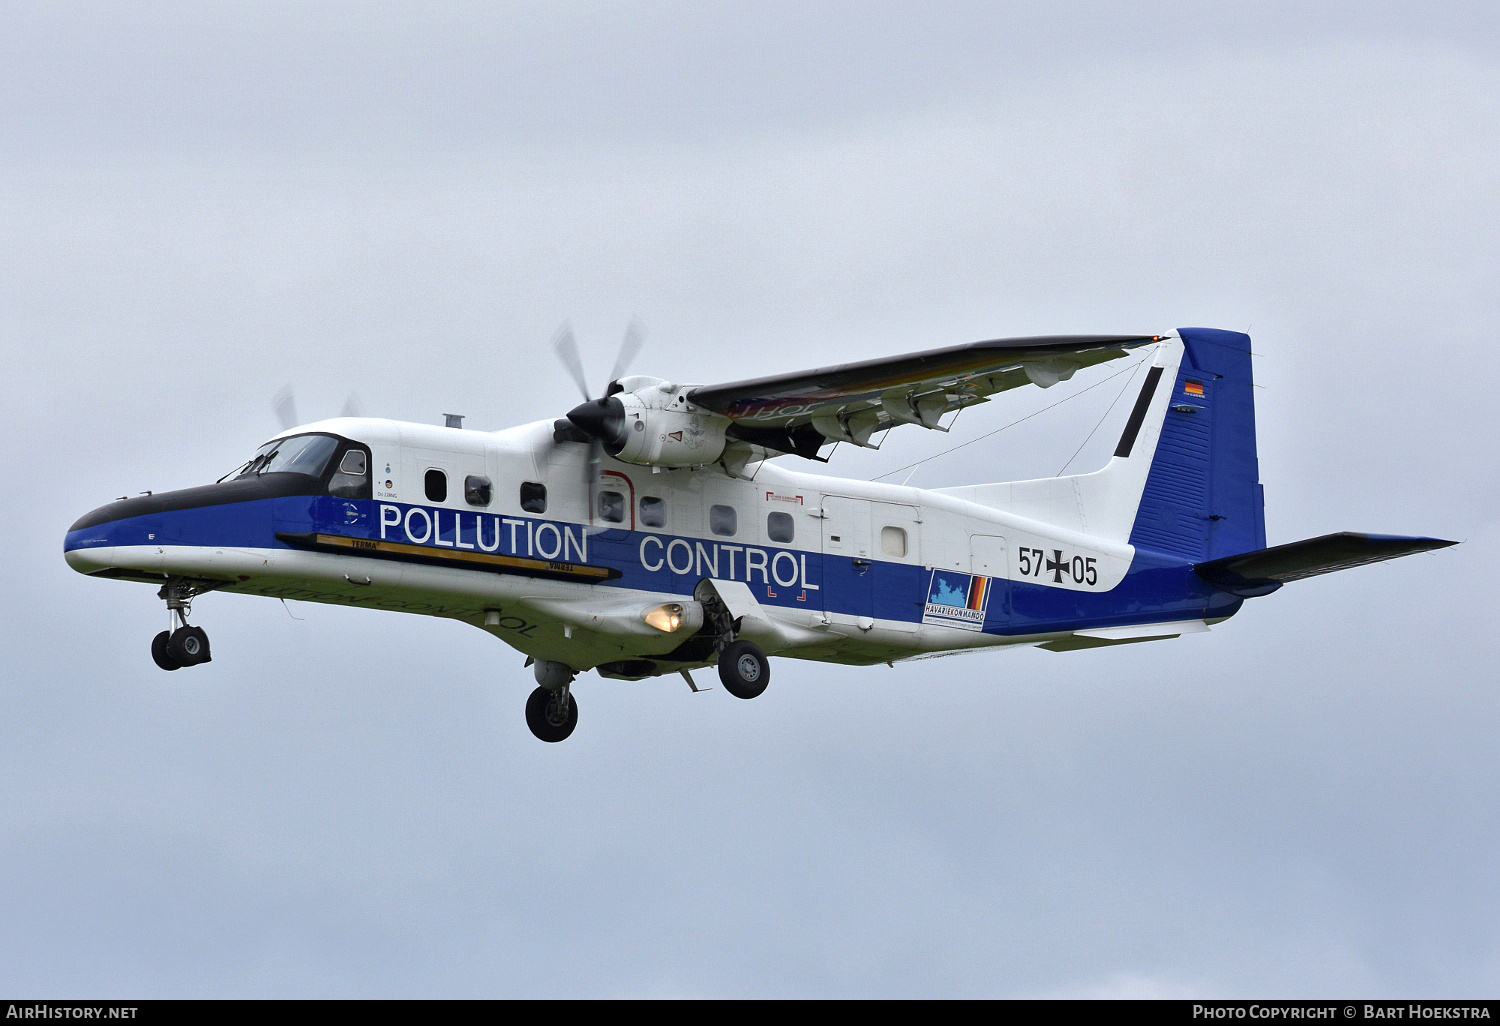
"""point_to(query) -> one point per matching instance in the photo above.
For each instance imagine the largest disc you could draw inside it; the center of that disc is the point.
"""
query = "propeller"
(630, 346)
(566, 348)
(285, 405)
(599, 422)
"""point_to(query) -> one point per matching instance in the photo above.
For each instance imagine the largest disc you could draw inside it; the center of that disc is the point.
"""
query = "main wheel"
(547, 720)
(160, 654)
(744, 669)
(189, 646)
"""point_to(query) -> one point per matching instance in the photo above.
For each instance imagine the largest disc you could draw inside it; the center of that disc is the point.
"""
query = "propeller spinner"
(602, 420)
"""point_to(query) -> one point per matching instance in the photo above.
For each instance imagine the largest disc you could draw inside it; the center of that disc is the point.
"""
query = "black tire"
(744, 669)
(543, 701)
(189, 646)
(160, 654)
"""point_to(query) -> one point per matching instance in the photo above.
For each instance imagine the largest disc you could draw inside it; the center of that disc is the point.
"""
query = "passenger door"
(899, 579)
(848, 584)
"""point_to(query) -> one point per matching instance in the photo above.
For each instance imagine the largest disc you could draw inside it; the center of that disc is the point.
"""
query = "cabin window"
(436, 484)
(722, 520)
(780, 527)
(653, 511)
(893, 541)
(612, 507)
(533, 497)
(477, 490)
(350, 480)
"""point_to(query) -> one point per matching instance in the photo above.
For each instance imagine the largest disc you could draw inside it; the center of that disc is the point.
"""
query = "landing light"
(671, 617)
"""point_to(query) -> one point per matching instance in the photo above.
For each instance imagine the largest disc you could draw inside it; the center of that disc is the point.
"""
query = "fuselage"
(513, 532)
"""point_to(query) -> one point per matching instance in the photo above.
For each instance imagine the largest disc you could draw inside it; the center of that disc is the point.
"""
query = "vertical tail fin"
(1202, 497)
(1184, 479)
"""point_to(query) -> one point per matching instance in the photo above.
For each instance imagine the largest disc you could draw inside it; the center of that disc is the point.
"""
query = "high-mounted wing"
(798, 413)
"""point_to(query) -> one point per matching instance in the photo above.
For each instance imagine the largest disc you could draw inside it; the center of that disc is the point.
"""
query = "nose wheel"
(185, 645)
(551, 713)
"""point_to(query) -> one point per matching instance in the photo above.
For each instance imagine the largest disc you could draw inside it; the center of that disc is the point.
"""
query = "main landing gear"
(744, 669)
(185, 645)
(552, 712)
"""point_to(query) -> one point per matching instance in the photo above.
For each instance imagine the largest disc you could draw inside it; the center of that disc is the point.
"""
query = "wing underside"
(799, 412)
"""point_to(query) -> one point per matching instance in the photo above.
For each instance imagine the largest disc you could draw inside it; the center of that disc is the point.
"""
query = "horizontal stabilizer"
(1264, 570)
(1101, 636)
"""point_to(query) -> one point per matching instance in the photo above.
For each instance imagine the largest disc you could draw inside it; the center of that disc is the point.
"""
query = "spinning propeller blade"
(285, 405)
(635, 337)
(566, 348)
(286, 408)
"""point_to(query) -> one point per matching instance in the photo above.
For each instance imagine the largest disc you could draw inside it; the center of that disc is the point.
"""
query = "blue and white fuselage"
(511, 531)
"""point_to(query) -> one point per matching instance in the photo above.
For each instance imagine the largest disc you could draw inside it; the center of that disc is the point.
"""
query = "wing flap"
(1264, 570)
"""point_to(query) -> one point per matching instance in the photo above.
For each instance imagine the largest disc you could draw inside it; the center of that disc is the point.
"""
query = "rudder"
(1202, 498)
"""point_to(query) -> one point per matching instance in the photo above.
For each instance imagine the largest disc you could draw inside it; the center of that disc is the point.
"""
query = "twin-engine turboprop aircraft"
(651, 532)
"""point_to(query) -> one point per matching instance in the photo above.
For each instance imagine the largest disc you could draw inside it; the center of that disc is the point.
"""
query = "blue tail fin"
(1202, 498)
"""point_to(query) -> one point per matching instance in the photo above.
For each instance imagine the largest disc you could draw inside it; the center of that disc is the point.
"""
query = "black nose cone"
(603, 419)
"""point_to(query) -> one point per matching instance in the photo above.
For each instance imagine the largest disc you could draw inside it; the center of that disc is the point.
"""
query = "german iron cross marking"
(1057, 566)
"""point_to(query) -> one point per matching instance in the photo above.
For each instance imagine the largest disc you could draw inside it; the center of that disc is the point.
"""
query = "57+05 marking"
(1079, 569)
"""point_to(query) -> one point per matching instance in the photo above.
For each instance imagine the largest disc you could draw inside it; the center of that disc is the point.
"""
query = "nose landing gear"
(551, 712)
(186, 645)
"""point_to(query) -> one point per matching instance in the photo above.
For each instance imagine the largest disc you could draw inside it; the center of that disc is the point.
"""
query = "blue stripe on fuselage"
(1157, 588)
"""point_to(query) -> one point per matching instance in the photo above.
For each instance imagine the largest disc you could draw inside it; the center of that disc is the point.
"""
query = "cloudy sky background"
(200, 203)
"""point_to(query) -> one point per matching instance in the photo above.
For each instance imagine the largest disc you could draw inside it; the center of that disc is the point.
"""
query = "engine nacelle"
(662, 429)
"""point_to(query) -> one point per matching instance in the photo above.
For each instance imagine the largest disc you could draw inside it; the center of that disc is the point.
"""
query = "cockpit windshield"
(300, 454)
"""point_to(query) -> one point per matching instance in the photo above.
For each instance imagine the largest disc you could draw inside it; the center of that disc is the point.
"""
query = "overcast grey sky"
(200, 203)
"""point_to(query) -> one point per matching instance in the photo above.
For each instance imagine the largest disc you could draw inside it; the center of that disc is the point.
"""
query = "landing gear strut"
(744, 669)
(185, 645)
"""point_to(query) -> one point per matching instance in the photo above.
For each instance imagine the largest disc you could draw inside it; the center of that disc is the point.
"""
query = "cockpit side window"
(352, 479)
